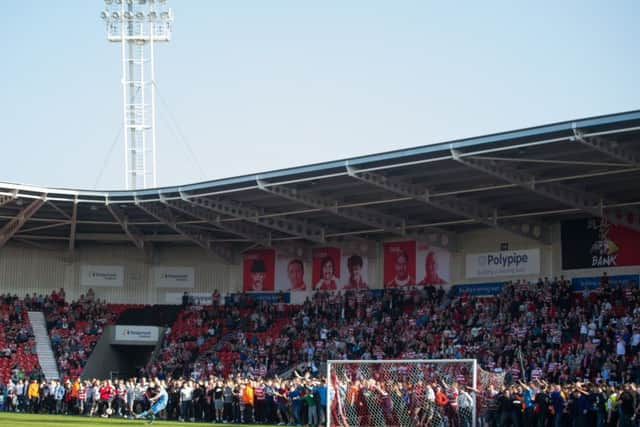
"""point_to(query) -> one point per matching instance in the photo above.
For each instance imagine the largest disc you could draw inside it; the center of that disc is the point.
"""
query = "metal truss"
(16, 223)
(455, 205)
(252, 214)
(609, 147)
(578, 199)
(239, 228)
(370, 217)
(73, 224)
(4, 199)
(130, 230)
(199, 237)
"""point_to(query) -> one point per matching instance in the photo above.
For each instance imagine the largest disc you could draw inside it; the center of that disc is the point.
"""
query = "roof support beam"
(366, 216)
(73, 223)
(4, 199)
(13, 226)
(454, 205)
(199, 237)
(608, 147)
(239, 228)
(584, 201)
(293, 227)
(130, 230)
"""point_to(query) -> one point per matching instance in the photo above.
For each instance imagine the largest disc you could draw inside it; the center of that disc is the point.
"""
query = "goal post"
(416, 392)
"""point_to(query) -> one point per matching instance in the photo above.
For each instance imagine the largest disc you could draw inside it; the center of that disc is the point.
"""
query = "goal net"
(430, 393)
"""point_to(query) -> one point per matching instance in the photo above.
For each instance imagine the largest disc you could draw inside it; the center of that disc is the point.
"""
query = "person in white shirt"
(186, 400)
(465, 408)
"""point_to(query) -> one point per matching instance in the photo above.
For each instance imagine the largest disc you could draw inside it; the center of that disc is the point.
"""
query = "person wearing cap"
(258, 275)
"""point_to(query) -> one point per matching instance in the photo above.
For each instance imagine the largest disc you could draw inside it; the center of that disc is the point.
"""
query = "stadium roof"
(520, 180)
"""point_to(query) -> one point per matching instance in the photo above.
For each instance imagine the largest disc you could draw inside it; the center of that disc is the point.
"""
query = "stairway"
(43, 345)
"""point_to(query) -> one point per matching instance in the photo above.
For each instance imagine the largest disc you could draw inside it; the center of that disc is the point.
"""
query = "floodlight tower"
(137, 25)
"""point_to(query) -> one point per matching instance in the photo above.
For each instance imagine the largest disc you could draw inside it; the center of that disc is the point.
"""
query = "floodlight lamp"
(104, 15)
(153, 16)
(130, 1)
(162, 1)
(128, 15)
(118, 1)
(139, 16)
(108, 2)
(141, 1)
(115, 15)
(165, 16)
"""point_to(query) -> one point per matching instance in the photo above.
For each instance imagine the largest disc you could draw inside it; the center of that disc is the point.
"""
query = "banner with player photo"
(408, 263)
(596, 243)
(326, 269)
(399, 264)
(432, 265)
(258, 270)
(291, 273)
(355, 267)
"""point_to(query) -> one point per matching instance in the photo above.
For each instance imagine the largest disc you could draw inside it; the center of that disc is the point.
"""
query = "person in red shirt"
(106, 396)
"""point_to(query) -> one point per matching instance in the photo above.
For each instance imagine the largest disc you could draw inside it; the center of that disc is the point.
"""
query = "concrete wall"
(31, 270)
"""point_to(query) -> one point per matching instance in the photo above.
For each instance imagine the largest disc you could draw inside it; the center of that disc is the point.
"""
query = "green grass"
(31, 420)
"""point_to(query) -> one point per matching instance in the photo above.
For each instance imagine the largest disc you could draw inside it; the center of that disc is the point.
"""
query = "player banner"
(432, 265)
(258, 270)
(291, 273)
(326, 269)
(505, 263)
(408, 263)
(596, 243)
(355, 267)
(399, 264)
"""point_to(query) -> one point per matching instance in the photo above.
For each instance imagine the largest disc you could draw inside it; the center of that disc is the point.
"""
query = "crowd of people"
(542, 339)
(392, 400)
(18, 358)
(234, 400)
(75, 328)
(539, 330)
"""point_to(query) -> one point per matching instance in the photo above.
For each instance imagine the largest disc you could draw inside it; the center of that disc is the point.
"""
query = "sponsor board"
(198, 298)
(133, 333)
(479, 289)
(272, 297)
(580, 284)
(596, 243)
(102, 276)
(507, 263)
(173, 277)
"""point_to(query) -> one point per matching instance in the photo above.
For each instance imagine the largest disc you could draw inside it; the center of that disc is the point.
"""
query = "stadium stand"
(18, 358)
(75, 328)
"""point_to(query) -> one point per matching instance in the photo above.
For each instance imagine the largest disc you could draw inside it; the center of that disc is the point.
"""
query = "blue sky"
(257, 85)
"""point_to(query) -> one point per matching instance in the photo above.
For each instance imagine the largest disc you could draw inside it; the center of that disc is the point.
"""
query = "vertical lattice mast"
(137, 25)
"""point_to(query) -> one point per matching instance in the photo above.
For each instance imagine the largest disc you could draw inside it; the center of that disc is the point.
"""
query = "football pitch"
(32, 420)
